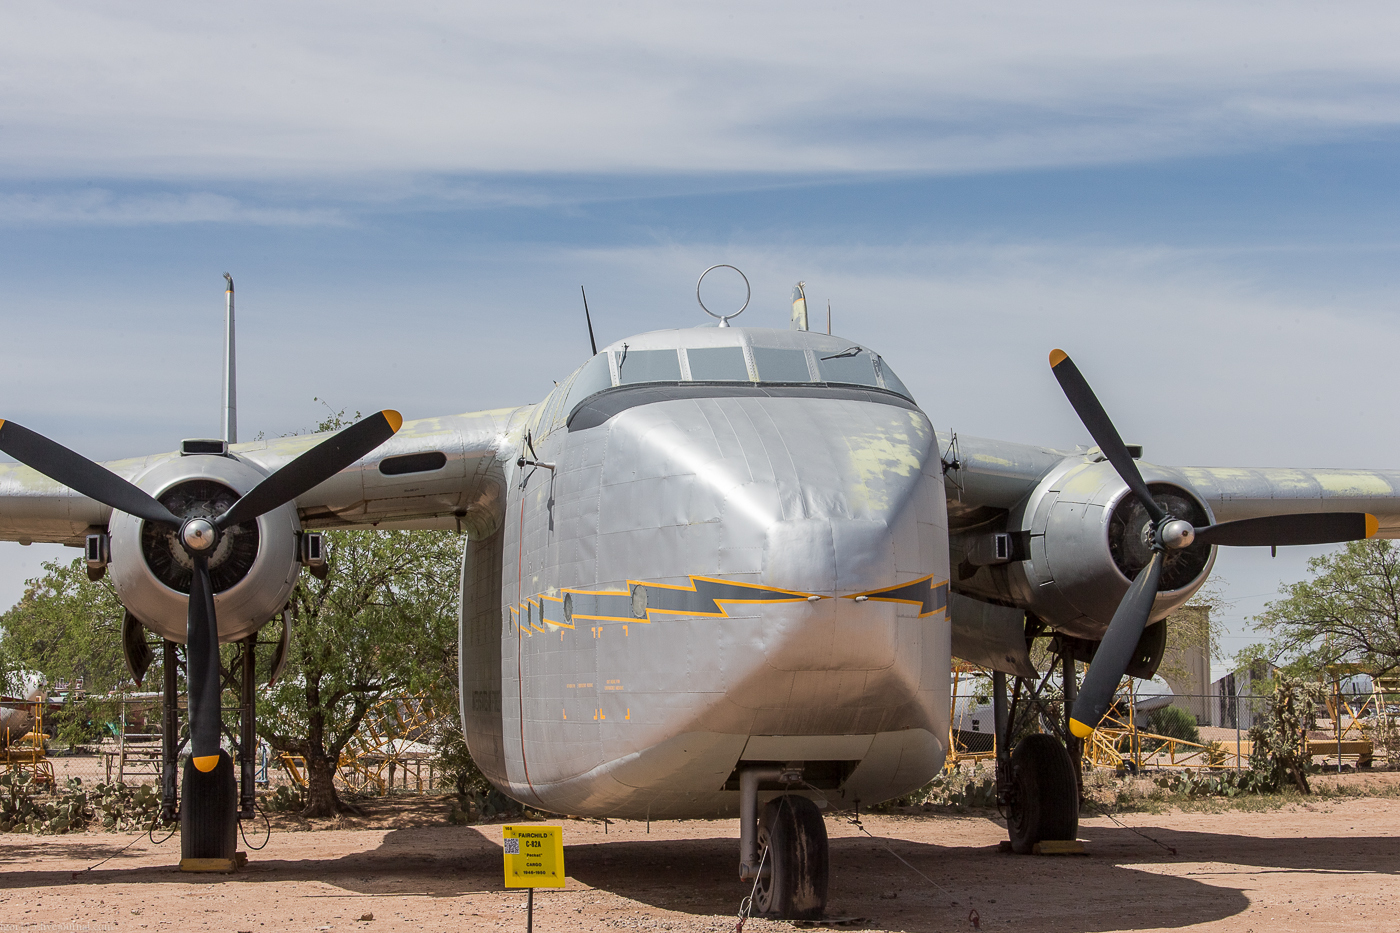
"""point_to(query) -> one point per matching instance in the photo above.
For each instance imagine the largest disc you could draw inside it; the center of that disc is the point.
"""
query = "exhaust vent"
(413, 463)
(194, 447)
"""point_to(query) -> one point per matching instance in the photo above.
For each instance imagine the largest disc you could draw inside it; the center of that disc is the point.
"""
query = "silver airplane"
(718, 571)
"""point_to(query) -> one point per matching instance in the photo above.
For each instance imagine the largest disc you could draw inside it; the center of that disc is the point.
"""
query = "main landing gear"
(1039, 783)
(210, 804)
(783, 850)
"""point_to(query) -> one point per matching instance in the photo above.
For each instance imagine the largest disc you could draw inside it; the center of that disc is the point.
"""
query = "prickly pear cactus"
(115, 806)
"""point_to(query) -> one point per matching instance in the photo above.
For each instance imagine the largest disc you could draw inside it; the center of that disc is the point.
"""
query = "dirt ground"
(1321, 865)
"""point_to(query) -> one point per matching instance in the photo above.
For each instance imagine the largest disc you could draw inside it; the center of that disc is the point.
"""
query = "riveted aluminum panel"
(787, 497)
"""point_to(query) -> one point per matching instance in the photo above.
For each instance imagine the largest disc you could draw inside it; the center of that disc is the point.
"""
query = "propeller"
(200, 535)
(1167, 533)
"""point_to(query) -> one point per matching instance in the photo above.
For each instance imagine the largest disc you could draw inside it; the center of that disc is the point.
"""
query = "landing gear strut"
(1039, 783)
(785, 848)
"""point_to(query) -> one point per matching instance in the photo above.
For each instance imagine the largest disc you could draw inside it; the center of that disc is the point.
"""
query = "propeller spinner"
(199, 535)
(1165, 533)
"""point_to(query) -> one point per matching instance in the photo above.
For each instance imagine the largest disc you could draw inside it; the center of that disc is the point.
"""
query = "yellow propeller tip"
(394, 418)
(1057, 357)
(1373, 524)
(206, 763)
(1080, 730)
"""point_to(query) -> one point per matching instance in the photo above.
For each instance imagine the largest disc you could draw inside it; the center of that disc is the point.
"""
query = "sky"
(1196, 200)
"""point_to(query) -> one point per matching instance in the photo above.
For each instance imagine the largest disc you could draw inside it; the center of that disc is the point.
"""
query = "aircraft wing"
(434, 473)
(1234, 493)
(992, 477)
(1027, 533)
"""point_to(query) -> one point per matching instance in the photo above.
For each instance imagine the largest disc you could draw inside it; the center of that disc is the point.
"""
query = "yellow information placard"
(534, 856)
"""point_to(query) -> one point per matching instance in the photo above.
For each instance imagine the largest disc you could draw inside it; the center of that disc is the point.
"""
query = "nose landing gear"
(784, 851)
(792, 885)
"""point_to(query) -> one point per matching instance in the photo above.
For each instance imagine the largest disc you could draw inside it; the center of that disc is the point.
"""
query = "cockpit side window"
(892, 382)
(853, 366)
(635, 366)
(717, 364)
(781, 364)
(556, 412)
(595, 376)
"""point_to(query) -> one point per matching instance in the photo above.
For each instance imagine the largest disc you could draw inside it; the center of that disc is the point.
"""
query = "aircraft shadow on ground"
(1290, 853)
(439, 861)
(699, 875)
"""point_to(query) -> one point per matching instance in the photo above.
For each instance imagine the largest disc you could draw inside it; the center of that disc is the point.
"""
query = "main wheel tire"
(792, 883)
(209, 811)
(1045, 802)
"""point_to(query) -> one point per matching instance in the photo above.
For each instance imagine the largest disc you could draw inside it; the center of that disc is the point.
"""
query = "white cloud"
(99, 207)
(343, 89)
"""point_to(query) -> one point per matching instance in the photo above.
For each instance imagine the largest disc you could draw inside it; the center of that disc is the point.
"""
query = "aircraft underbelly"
(679, 597)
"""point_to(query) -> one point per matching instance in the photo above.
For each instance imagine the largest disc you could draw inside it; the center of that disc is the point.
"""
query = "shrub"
(1175, 723)
(115, 806)
(286, 797)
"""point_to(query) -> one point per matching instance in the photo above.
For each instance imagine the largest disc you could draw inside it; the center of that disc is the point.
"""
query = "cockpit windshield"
(732, 355)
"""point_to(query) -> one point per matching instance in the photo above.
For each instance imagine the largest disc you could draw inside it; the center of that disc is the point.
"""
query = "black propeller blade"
(202, 670)
(1280, 530)
(1121, 638)
(75, 471)
(1116, 650)
(200, 536)
(1086, 405)
(314, 467)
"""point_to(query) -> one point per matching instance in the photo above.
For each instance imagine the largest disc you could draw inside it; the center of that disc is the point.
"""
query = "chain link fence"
(123, 742)
(1352, 731)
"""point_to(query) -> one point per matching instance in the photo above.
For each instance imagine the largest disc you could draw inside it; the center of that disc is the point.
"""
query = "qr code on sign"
(512, 847)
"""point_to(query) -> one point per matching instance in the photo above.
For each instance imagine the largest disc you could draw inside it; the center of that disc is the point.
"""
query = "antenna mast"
(591, 342)
(230, 412)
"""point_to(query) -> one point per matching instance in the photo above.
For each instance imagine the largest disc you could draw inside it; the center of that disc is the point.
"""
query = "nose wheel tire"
(793, 881)
(209, 811)
(1045, 795)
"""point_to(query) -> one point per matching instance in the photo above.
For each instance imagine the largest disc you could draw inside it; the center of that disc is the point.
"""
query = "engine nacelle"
(253, 569)
(1073, 549)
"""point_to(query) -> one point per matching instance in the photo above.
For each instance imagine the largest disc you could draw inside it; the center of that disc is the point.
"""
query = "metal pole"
(1001, 742)
(1237, 733)
(170, 734)
(530, 911)
(230, 380)
(1337, 684)
(1076, 746)
(247, 735)
(121, 747)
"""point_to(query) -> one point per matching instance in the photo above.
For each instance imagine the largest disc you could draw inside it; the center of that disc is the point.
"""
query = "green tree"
(1347, 612)
(66, 627)
(382, 624)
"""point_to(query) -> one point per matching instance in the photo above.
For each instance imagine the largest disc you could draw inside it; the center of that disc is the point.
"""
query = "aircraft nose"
(823, 496)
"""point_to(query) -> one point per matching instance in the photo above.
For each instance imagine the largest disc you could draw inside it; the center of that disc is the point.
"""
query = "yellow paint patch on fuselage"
(876, 456)
(1353, 484)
